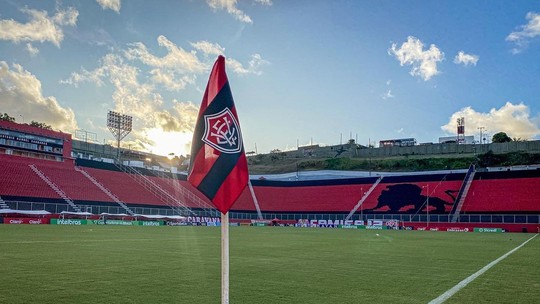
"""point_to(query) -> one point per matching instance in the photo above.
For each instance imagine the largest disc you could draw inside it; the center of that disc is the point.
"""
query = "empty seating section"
(178, 188)
(333, 198)
(515, 195)
(75, 185)
(124, 187)
(245, 202)
(17, 179)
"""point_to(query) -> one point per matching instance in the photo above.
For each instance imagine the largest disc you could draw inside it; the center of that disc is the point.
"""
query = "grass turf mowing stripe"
(450, 292)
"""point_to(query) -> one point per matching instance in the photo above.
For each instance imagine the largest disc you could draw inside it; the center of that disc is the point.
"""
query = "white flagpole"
(225, 258)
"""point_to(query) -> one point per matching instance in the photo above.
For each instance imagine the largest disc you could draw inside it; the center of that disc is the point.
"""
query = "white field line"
(450, 292)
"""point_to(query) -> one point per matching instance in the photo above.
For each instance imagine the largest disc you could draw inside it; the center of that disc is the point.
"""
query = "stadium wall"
(353, 150)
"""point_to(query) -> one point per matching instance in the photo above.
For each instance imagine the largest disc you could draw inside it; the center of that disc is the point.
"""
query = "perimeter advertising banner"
(488, 230)
(25, 220)
(78, 222)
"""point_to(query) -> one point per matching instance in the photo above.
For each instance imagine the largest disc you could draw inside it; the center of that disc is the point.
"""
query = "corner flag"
(218, 166)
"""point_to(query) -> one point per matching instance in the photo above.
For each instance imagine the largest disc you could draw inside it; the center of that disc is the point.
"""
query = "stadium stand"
(504, 192)
(18, 180)
(500, 192)
(331, 196)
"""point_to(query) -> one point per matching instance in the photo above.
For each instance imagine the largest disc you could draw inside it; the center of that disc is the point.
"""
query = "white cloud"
(110, 4)
(388, 95)
(423, 62)
(32, 50)
(230, 7)
(66, 17)
(526, 33)
(264, 2)
(41, 27)
(466, 59)
(513, 119)
(21, 93)
(176, 58)
(94, 76)
(180, 62)
(141, 100)
(253, 67)
(137, 75)
(208, 48)
(171, 80)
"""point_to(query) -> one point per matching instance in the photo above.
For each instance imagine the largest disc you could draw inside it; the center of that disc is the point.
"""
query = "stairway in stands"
(3, 204)
(185, 193)
(364, 197)
(105, 190)
(469, 177)
(56, 189)
(164, 196)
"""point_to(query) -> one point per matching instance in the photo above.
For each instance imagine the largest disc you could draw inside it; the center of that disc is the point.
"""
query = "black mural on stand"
(401, 195)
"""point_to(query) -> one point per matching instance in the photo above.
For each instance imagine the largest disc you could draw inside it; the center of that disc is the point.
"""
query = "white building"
(452, 139)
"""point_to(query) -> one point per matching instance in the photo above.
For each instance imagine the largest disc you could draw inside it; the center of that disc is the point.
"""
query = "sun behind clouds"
(165, 143)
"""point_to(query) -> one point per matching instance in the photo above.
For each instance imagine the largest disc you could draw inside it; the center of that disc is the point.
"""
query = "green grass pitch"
(112, 264)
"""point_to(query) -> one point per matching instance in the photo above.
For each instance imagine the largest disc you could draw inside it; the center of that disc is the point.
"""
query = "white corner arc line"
(450, 292)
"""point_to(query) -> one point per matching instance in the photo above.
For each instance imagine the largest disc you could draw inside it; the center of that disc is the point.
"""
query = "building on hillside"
(403, 142)
(29, 141)
(469, 140)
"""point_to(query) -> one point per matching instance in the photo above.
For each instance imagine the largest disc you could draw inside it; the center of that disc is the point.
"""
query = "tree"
(501, 137)
(6, 117)
(40, 125)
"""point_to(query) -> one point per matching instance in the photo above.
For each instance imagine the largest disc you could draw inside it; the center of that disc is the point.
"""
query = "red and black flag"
(218, 166)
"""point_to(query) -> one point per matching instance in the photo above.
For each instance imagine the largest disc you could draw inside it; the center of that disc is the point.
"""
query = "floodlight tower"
(120, 126)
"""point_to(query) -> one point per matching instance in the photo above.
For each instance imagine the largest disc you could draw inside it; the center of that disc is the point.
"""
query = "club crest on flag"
(222, 133)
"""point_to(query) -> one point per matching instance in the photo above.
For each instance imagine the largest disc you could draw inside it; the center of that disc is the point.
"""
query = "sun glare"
(166, 143)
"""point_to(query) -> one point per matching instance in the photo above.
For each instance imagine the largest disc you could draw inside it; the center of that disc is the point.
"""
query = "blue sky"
(300, 71)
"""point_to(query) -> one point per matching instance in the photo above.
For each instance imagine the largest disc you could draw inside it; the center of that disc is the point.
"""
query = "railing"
(467, 182)
(175, 184)
(433, 218)
(104, 189)
(364, 197)
(55, 187)
(3, 204)
(160, 193)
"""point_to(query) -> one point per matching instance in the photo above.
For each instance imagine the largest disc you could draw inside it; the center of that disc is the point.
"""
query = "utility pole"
(481, 128)
(427, 204)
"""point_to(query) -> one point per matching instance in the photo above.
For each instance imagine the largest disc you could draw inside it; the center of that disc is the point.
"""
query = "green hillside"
(272, 163)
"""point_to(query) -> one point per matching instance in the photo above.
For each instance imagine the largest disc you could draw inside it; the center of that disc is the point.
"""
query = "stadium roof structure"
(27, 212)
(114, 214)
(76, 213)
(160, 217)
(337, 174)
